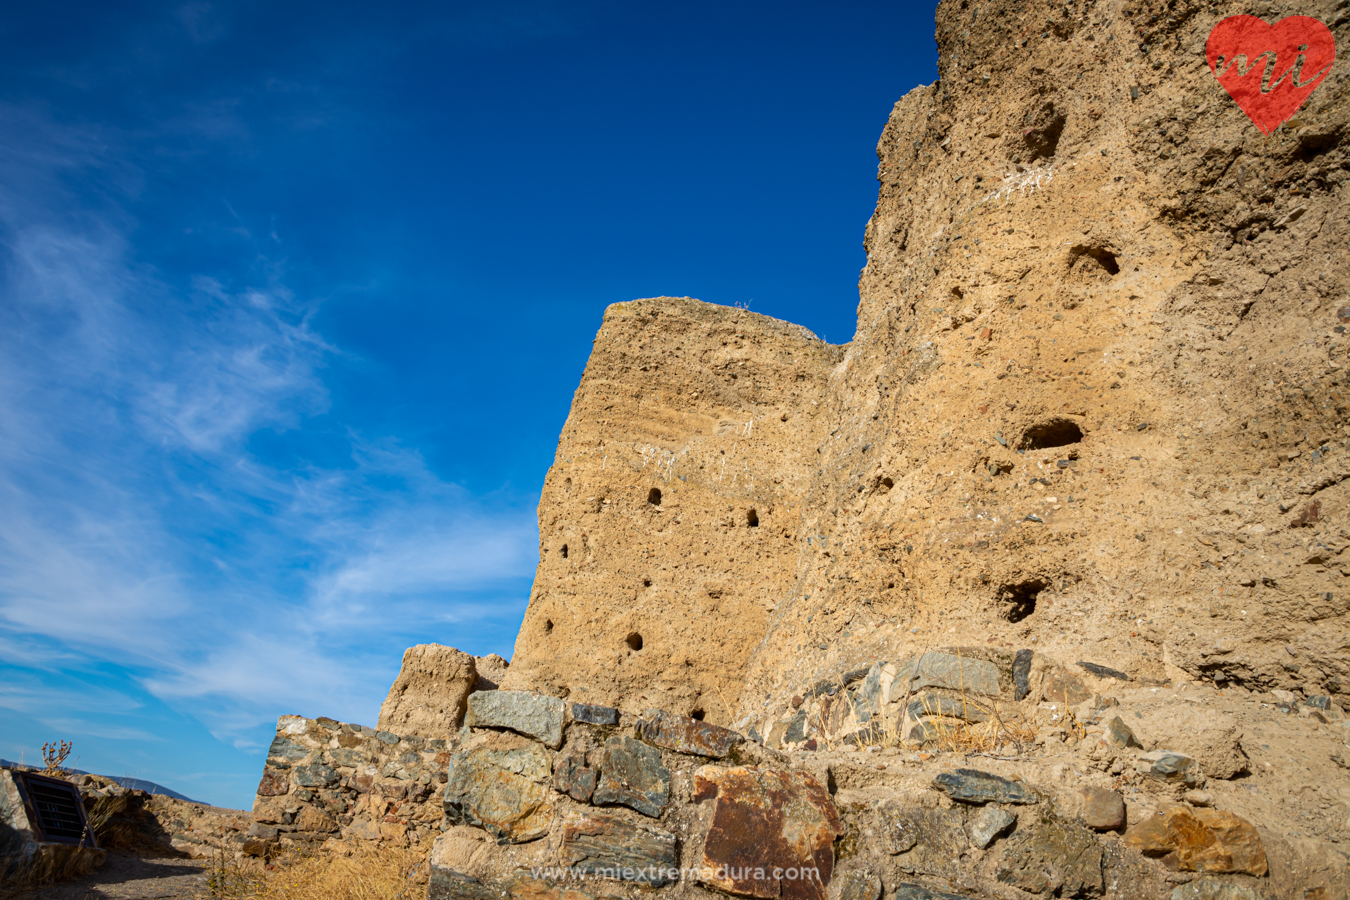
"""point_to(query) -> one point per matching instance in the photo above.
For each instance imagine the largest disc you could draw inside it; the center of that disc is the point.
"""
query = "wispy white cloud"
(139, 527)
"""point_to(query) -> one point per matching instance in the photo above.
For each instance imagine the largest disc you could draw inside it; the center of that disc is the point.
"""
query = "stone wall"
(325, 780)
(565, 801)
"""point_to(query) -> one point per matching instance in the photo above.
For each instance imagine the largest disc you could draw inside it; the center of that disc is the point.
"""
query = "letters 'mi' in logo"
(1295, 56)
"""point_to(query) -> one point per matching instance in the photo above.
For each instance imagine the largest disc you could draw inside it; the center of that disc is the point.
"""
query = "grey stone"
(348, 757)
(1103, 671)
(951, 707)
(1320, 701)
(1103, 810)
(511, 808)
(283, 753)
(447, 884)
(1120, 735)
(533, 715)
(387, 737)
(1021, 672)
(907, 891)
(574, 778)
(945, 670)
(684, 735)
(859, 884)
(594, 715)
(923, 841)
(1053, 857)
(631, 774)
(315, 775)
(931, 729)
(988, 824)
(612, 848)
(262, 832)
(1207, 888)
(1169, 766)
(796, 730)
(974, 786)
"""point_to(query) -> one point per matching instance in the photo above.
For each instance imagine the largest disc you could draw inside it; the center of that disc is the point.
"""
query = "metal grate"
(59, 811)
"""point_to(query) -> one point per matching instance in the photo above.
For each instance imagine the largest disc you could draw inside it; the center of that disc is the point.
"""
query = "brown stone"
(311, 819)
(1103, 810)
(511, 808)
(772, 833)
(1062, 686)
(686, 735)
(274, 783)
(610, 847)
(1200, 840)
(574, 778)
(428, 697)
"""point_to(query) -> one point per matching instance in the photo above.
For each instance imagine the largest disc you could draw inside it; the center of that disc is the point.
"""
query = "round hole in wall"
(634, 641)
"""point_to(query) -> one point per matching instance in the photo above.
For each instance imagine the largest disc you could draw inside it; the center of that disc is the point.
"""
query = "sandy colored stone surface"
(1156, 290)
(668, 522)
(428, 697)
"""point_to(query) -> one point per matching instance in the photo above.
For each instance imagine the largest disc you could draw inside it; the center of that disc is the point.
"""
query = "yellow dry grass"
(361, 872)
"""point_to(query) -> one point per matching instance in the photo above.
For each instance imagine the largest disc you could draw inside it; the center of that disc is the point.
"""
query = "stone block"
(284, 753)
(1062, 686)
(973, 786)
(631, 774)
(274, 783)
(533, 715)
(772, 833)
(859, 884)
(947, 671)
(1120, 735)
(609, 847)
(594, 715)
(988, 824)
(511, 808)
(1173, 768)
(428, 697)
(447, 884)
(687, 736)
(1206, 888)
(1053, 857)
(1200, 840)
(923, 841)
(571, 776)
(1103, 810)
(908, 891)
(966, 710)
(315, 775)
(1021, 673)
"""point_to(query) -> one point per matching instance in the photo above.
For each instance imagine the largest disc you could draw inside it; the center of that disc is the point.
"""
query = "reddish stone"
(1200, 840)
(772, 833)
(686, 735)
(273, 784)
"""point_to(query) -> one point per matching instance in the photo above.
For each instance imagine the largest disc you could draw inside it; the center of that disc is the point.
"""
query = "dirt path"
(128, 877)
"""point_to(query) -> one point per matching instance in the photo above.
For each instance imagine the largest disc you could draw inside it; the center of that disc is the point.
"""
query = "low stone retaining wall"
(325, 779)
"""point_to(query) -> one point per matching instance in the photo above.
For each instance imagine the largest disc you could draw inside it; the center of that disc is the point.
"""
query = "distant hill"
(125, 780)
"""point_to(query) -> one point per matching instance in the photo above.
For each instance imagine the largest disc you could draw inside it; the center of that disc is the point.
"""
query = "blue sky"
(293, 299)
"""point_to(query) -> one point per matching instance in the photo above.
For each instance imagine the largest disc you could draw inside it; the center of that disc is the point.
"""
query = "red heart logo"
(1270, 70)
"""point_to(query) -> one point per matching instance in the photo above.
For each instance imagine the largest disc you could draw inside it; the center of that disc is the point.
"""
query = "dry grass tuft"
(362, 872)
